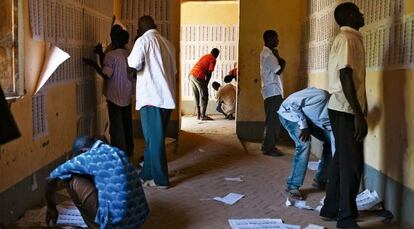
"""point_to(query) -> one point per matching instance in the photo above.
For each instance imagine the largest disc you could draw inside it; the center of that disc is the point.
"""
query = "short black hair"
(215, 85)
(82, 142)
(269, 34)
(119, 37)
(228, 78)
(343, 11)
(215, 52)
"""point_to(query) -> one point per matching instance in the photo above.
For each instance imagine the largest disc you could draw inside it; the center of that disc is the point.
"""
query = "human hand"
(51, 216)
(304, 135)
(361, 128)
(98, 49)
(87, 61)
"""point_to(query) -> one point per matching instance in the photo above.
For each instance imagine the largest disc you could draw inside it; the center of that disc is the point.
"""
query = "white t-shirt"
(154, 58)
(347, 51)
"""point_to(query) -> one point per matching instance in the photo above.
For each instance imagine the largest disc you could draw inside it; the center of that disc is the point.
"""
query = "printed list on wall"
(388, 35)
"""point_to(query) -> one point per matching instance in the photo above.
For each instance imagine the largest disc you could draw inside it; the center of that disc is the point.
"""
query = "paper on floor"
(313, 165)
(314, 226)
(298, 204)
(367, 200)
(69, 215)
(235, 179)
(260, 224)
(230, 198)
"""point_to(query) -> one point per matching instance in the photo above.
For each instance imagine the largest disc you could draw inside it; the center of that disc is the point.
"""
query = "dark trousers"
(84, 195)
(120, 127)
(200, 91)
(346, 170)
(154, 122)
(272, 123)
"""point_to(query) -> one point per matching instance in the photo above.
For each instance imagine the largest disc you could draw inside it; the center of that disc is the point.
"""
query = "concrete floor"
(207, 152)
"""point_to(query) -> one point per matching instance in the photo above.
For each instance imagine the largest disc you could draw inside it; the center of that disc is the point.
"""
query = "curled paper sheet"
(54, 57)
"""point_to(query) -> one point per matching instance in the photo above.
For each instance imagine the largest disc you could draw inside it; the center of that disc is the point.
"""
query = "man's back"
(154, 58)
(203, 66)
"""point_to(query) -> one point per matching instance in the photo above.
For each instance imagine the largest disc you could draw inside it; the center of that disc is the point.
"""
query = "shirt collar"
(149, 31)
(97, 144)
(265, 48)
(351, 30)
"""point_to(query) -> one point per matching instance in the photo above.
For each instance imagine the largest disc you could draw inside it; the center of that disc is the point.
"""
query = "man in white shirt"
(226, 99)
(305, 113)
(347, 109)
(153, 56)
(271, 68)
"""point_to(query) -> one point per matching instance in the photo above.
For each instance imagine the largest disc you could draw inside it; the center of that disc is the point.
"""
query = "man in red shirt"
(200, 76)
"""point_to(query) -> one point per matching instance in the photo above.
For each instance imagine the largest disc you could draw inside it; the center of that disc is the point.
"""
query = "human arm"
(282, 61)
(348, 87)
(99, 51)
(136, 58)
(51, 212)
(95, 65)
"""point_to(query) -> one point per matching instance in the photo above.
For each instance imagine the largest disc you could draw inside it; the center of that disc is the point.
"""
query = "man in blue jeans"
(303, 114)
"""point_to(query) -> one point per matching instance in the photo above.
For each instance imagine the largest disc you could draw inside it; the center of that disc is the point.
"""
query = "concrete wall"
(285, 17)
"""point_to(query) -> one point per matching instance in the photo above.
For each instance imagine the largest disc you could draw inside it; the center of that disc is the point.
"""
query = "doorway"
(206, 25)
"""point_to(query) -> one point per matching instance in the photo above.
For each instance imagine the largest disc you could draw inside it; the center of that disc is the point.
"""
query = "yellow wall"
(389, 146)
(202, 12)
(255, 17)
(23, 156)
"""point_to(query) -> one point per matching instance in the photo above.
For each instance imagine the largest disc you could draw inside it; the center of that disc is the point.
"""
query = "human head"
(270, 39)
(228, 78)
(119, 38)
(82, 144)
(216, 85)
(145, 23)
(348, 14)
(215, 52)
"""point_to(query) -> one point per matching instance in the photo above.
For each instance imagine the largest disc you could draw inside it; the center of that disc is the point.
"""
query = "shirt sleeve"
(77, 165)
(344, 53)
(137, 57)
(108, 69)
(293, 112)
(272, 63)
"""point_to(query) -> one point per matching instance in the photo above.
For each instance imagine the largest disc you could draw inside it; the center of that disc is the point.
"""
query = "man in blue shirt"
(103, 184)
(303, 114)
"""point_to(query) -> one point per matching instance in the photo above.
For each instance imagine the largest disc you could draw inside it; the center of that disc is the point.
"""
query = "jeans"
(302, 152)
(154, 122)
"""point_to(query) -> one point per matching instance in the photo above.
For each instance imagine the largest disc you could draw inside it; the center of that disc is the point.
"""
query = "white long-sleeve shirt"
(154, 58)
(271, 81)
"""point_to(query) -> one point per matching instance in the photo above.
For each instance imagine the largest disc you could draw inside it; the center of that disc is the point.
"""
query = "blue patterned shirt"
(122, 202)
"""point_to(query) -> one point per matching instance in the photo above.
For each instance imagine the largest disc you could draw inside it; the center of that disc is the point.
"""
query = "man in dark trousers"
(271, 68)
(347, 109)
(118, 91)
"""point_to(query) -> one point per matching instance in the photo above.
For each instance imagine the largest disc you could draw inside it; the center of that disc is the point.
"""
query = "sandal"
(294, 194)
(206, 118)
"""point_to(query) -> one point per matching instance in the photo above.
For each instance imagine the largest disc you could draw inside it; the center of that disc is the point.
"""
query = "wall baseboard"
(250, 131)
(26, 194)
(397, 198)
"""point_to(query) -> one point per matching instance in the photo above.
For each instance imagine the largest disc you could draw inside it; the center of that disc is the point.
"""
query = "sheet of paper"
(54, 57)
(298, 204)
(230, 198)
(313, 165)
(366, 200)
(256, 223)
(314, 226)
(235, 179)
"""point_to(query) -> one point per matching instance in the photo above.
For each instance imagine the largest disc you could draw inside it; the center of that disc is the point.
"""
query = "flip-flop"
(294, 194)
